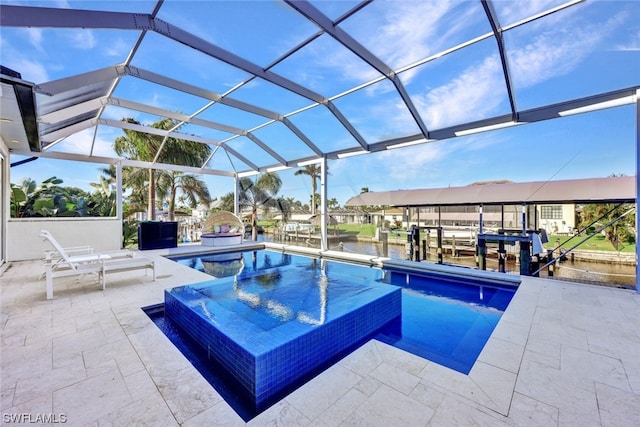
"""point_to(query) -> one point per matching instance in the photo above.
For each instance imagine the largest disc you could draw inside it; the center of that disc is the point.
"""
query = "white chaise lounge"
(80, 260)
(222, 228)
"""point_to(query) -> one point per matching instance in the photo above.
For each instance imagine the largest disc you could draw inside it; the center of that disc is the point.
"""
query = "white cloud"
(118, 48)
(511, 12)
(630, 45)
(476, 92)
(83, 39)
(31, 71)
(35, 37)
(77, 143)
(557, 52)
(401, 32)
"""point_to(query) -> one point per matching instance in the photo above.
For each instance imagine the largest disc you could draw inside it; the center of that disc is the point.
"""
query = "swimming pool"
(444, 320)
(271, 328)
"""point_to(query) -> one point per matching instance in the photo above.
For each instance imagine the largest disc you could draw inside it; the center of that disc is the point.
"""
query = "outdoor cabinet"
(157, 235)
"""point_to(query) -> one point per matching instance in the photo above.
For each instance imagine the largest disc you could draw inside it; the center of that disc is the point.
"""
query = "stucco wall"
(24, 242)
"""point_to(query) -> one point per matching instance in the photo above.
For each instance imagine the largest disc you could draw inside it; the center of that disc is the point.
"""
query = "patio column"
(637, 186)
(323, 205)
(236, 195)
(119, 190)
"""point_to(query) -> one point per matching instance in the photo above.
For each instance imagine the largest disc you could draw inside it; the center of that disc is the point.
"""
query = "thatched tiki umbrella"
(316, 221)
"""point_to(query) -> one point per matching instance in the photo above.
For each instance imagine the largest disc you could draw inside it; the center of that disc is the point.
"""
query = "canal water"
(579, 271)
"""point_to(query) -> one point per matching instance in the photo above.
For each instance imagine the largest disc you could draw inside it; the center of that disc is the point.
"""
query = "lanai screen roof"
(594, 190)
(287, 90)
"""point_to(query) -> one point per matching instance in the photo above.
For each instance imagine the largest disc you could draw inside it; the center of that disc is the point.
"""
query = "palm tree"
(146, 147)
(104, 196)
(193, 189)
(261, 192)
(314, 172)
(21, 195)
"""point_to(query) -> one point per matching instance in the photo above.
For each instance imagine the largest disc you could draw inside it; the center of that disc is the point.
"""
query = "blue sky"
(586, 49)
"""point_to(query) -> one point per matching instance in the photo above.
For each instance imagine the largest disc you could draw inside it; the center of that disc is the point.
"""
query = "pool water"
(443, 320)
(271, 328)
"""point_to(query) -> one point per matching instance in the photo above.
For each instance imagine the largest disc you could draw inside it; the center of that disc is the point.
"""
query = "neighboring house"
(557, 219)
(393, 215)
(554, 218)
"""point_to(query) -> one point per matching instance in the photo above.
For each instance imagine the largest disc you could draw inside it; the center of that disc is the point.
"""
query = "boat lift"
(530, 243)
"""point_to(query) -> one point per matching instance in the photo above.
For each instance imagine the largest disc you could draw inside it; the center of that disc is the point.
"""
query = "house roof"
(283, 92)
(594, 190)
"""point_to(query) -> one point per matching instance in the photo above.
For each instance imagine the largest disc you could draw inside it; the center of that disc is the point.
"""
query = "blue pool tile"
(267, 355)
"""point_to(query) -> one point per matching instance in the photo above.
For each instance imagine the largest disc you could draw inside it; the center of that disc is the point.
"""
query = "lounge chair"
(222, 229)
(80, 260)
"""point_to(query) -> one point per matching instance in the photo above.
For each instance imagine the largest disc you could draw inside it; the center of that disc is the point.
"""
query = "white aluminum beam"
(324, 244)
(266, 148)
(68, 84)
(213, 96)
(67, 131)
(497, 33)
(163, 133)
(20, 16)
(27, 16)
(67, 113)
(314, 15)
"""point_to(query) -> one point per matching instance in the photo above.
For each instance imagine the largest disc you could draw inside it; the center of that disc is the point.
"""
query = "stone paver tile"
(7, 391)
(395, 378)
(314, 397)
(551, 331)
(76, 343)
(46, 381)
(342, 409)
(282, 413)
(617, 407)
(140, 385)
(427, 395)
(514, 333)
(221, 414)
(631, 363)
(122, 352)
(503, 354)
(550, 386)
(363, 360)
(541, 358)
(614, 341)
(368, 385)
(388, 407)
(525, 412)
(150, 411)
(451, 382)
(583, 368)
(401, 359)
(551, 350)
(186, 392)
(496, 383)
(40, 405)
(25, 362)
(454, 412)
(86, 401)
(156, 351)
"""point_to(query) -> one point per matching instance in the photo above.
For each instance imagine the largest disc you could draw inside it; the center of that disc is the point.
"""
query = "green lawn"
(596, 243)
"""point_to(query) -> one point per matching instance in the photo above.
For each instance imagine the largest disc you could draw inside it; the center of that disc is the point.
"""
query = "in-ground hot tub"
(273, 328)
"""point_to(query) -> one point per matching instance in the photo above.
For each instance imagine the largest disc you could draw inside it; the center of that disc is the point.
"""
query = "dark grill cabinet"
(157, 235)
